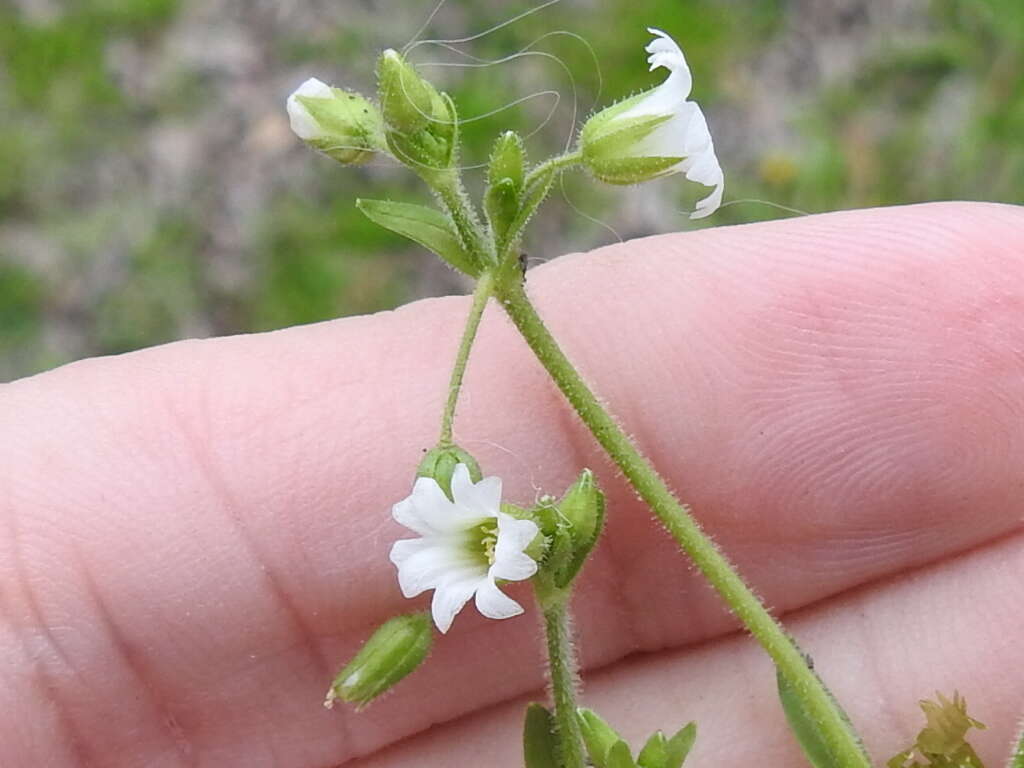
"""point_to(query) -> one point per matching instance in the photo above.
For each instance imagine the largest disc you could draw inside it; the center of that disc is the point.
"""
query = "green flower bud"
(341, 124)
(421, 122)
(581, 516)
(395, 649)
(504, 182)
(440, 463)
(407, 100)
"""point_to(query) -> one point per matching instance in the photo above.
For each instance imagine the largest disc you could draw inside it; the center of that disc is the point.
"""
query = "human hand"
(195, 536)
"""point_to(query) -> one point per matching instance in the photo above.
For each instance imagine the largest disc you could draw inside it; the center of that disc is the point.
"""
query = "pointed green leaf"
(1017, 761)
(804, 728)
(679, 745)
(539, 743)
(426, 226)
(598, 736)
(619, 757)
(655, 752)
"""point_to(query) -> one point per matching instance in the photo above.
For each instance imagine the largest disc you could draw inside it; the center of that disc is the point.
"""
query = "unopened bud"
(504, 182)
(395, 649)
(341, 124)
(407, 100)
(581, 513)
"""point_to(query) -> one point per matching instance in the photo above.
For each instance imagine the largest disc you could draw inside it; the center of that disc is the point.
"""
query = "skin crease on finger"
(195, 536)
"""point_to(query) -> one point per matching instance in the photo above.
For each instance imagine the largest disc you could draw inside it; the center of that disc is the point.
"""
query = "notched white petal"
(449, 599)
(495, 604)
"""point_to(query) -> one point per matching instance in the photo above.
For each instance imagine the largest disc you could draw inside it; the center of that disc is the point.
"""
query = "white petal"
(421, 564)
(513, 566)
(710, 204)
(514, 535)
(495, 604)
(405, 513)
(482, 499)
(451, 596)
(303, 124)
(429, 512)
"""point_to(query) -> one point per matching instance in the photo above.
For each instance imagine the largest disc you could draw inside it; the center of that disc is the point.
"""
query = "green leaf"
(539, 743)
(1017, 761)
(679, 746)
(804, 728)
(426, 226)
(660, 752)
(655, 752)
(619, 757)
(598, 736)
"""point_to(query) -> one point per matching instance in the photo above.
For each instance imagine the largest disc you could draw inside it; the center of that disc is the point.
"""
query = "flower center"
(483, 538)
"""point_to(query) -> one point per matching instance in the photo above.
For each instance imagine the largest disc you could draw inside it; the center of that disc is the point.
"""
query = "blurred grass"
(97, 257)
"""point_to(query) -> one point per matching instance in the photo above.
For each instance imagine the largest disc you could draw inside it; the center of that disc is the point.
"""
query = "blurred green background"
(150, 188)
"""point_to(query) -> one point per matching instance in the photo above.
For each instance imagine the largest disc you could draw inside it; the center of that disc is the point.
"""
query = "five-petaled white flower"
(680, 135)
(465, 545)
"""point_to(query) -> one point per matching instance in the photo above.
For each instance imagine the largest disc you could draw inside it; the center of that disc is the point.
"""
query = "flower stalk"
(481, 294)
(563, 670)
(684, 529)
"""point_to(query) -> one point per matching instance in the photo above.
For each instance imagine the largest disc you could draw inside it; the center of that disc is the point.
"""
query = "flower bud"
(504, 183)
(407, 100)
(581, 513)
(341, 124)
(440, 463)
(421, 122)
(395, 649)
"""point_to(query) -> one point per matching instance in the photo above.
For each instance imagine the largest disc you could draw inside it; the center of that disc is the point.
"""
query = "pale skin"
(195, 537)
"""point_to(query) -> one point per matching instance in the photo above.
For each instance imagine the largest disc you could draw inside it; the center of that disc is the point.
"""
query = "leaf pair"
(608, 750)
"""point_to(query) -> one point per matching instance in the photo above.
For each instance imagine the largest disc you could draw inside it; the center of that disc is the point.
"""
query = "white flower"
(305, 127)
(679, 137)
(465, 546)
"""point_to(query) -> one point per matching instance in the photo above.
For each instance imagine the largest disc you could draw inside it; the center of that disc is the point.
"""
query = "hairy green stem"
(684, 529)
(558, 163)
(482, 293)
(448, 185)
(564, 672)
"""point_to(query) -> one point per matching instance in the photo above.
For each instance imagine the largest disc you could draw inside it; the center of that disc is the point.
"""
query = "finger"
(951, 626)
(222, 534)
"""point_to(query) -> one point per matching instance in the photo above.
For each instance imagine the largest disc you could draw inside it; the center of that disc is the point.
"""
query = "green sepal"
(581, 514)
(439, 463)
(406, 99)
(501, 204)
(619, 756)
(598, 736)
(803, 725)
(618, 138)
(532, 196)
(507, 159)
(426, 226)
(397, 648)
(351, 125)
(540, 747)
(631, 170)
